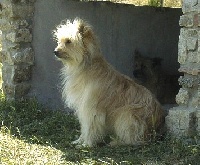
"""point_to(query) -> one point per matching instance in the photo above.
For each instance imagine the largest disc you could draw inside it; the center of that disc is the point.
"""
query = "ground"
(33, 134)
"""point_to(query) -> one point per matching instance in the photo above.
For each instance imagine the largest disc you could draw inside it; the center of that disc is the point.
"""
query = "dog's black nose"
(56, 52)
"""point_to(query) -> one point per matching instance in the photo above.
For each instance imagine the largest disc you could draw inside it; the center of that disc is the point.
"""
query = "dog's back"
(104, 100)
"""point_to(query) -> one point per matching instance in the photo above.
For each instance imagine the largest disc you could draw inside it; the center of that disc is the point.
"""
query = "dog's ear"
(81, 29)
(85, 30)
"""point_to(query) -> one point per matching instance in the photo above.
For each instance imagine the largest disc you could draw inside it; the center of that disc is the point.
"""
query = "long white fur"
(105, 101)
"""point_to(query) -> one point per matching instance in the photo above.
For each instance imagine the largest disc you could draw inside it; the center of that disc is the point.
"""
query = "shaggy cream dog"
(105, 101)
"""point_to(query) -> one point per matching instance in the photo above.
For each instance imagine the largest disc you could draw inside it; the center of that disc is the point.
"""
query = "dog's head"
(76, 42)
(146, 68)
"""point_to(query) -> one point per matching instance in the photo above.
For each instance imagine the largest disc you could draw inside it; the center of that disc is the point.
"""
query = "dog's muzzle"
(56, 53)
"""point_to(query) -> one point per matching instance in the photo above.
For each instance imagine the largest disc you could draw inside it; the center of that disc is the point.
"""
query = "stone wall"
(17, 54)
(1, 81)
(185, 119)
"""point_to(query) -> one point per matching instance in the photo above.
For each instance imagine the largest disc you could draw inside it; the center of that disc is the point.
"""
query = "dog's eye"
(68, 41)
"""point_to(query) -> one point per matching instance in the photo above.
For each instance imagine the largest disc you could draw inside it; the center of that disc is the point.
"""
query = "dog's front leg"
(93, 129)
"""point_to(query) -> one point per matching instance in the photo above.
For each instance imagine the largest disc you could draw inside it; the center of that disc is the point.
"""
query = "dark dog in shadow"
(148, 71)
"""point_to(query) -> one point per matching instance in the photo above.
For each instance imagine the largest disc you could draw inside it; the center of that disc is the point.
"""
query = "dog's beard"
(63, 57)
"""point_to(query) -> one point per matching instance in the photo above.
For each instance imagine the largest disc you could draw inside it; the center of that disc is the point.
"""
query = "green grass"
(155, 3)
(32, 134)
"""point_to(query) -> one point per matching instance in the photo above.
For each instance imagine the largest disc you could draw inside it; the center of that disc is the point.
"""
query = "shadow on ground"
(33, 123)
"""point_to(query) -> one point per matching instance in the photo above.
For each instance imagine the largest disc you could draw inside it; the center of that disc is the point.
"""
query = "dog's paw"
(78, 141)
(83, 145)
(114, 143)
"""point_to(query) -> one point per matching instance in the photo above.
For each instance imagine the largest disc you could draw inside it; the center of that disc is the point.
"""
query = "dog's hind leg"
(128, 127)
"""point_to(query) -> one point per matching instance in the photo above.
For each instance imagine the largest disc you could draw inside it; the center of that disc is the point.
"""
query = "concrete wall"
(121, 29)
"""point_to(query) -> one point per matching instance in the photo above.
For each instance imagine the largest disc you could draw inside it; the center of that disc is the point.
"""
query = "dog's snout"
(56, 52)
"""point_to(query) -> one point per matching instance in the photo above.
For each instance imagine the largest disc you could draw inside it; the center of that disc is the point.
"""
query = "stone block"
(183, 32)
(25, 56)
(21, 10)
(182, 49)
(192, 57)
(5, 8)
(182, 97)
(16, 73)
(11, 36)
(187, 81)
(198, 121)
(23, 23)
(196, 20)
(16, 91)
(24, 35)
(191, 43)
(182, 56)
(1, 56)
(21, 35)
(192, 33)
(6, 57)
(0, 35)
(181, 121)
(190, 68)
(8, 45)
(23, 1)
(192, 39)
(7, 72)
(195, 103)
(198, 52)
(1, 10)
(22, 89)
(5, 1)
(4, 25)
(18, 24)
(198, 57)
(190, 6)
(186, 20)
(16, 10)
(8, 89)
(21, 73)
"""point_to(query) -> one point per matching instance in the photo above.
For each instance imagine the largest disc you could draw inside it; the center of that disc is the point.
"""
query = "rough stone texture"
(198, 121)
(184, 120)
(182, 97)
(190, 6)
(181, 121)
(186, 20)
(188, 81)
(18, 90)
(17, 56)
(1, 81)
